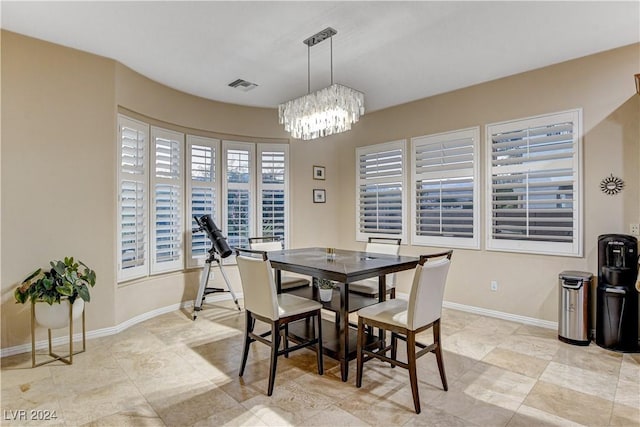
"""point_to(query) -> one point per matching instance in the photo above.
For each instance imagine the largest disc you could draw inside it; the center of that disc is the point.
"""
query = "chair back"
(427, 291)
(266, 244)
(385, 246)
(258, 285)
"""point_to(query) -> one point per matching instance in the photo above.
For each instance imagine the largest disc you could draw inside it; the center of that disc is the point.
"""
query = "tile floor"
(172, 371)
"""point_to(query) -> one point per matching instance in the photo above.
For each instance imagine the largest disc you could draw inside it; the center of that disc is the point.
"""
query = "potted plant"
(325, 288)
(67, 281)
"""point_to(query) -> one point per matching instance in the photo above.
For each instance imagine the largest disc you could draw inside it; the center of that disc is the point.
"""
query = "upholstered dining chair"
(274, 243)
(262, 302)
(405, 319)
(369, 287)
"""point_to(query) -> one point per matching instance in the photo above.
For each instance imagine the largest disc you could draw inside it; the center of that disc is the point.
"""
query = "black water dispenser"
(617, 318)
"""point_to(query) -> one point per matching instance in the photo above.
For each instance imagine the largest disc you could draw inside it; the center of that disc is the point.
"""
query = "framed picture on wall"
(319, 196)
(318, 172)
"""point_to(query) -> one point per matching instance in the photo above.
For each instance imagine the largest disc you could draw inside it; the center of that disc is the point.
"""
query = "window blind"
(272, 191)
(534, 184)
(381, 183)
(444, 173)
(240, 198)
(202, 193)
(133, 199)
(167, 200)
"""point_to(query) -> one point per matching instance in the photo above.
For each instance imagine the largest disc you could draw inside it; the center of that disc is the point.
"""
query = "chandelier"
(324, 112)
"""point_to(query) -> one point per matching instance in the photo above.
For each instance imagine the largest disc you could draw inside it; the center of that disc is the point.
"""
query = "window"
(444, 175)
(166, 204)
(380, 181)
(239, 189)
(273, 190)
(164, 179)
(534, 183)
(133, 184)
(202, 193)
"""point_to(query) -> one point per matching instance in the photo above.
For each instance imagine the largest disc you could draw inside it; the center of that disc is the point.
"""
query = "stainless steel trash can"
(573, 308)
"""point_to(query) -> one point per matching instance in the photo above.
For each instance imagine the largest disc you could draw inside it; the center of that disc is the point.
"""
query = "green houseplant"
(325, 288)
(66, 279)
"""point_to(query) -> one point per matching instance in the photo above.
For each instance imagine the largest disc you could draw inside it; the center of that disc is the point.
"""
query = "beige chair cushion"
(292, 282)
(288, 305)
(267, 246)
(427, 293)
(391, 312)
(425, 300)
(260, 295)
(258, 286)
(370, 286)
(288, 282)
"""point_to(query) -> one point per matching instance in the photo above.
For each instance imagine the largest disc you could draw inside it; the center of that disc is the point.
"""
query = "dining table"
(343, 267)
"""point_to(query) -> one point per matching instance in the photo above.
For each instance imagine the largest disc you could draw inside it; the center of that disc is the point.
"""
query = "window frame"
(141, 270)
(226, 186)
(213, 143)
(401, 144)
(260, 186)
(443, 137)
(573, 249)
(178, 263)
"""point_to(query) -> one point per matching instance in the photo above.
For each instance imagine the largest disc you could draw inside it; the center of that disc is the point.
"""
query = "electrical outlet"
(634, 229)
(494, 285)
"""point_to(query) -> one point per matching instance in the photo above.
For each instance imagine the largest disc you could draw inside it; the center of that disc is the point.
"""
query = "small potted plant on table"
(325, 288)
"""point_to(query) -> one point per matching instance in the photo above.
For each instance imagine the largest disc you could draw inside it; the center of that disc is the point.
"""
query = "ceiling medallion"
(611, 185)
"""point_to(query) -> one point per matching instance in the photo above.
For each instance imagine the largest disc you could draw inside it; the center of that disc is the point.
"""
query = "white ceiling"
(394, 52)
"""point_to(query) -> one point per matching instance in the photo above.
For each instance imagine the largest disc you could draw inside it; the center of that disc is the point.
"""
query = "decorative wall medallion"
(611, 185)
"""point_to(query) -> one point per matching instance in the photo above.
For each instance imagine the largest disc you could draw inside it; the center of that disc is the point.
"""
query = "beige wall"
(58, 180)
(603, 86)
(58, 123)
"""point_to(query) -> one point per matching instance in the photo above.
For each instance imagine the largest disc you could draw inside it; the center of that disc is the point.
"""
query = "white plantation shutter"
(167, 192)
(239, 189)
(272, 190)
(133, 198)
(445, 194)
(534, 185)
(202, 193)
(381, 183)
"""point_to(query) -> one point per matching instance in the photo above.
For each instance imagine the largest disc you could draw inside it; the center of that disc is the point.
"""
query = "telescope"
(219, 246)
(219, 242)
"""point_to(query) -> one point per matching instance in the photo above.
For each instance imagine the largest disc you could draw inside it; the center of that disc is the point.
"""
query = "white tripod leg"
(204, 279)
(226, 280)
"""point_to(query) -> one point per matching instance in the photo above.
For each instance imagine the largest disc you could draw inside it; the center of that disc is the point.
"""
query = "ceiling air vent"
(243, 85)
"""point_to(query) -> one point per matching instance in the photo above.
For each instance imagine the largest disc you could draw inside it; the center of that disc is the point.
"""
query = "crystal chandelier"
(325, 112)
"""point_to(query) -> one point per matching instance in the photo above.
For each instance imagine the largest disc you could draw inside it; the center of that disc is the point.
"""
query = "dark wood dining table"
(344, 267)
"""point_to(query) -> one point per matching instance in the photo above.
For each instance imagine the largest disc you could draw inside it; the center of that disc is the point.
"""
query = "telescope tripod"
(203, 290)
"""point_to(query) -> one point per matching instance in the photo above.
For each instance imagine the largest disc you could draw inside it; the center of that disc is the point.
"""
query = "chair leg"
(275, 345)
(249, 324)
(359, 359)
(413, 374)
(394, 348)
(438, 351)
(318, 335)
(392, 294)
(286, 340)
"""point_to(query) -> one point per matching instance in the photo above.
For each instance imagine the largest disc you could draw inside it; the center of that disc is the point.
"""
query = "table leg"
(344, 330)
(278, 278)
(382, 296)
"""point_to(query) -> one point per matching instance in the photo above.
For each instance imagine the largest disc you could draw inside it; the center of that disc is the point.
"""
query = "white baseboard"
(497, 314)
(501, 315)
(26, 348)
